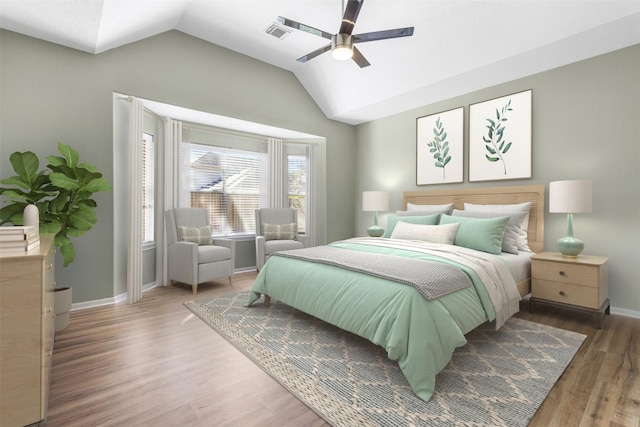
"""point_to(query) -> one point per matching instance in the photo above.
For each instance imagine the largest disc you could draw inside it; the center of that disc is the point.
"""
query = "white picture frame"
(440, 147)
(500, 138)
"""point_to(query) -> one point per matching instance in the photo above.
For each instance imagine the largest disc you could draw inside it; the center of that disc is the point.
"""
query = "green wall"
(586, 125)
(50, 93)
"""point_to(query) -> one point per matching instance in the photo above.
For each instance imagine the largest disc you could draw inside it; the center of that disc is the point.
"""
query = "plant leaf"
(71, 156)
(56, 161)
(83, 217)
(12, 213)
(88, 166)
(66, 248)
(26, 166)
(63, 181)
(50, 227)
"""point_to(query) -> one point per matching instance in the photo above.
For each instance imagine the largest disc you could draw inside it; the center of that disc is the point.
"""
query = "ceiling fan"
(342, 44)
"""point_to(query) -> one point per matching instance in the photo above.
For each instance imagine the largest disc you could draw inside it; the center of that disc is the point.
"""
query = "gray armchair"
(266, 246)
(192, 263)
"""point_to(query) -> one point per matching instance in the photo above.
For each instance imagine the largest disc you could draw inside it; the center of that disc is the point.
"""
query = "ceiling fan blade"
(302, 27)
(381, 35)
(350, 15)
(359, 58)
(315, 53)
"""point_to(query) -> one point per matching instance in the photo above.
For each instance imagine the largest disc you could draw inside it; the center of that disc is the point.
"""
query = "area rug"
(499, 378)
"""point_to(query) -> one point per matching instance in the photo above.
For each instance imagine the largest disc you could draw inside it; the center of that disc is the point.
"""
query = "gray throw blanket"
(432, 279)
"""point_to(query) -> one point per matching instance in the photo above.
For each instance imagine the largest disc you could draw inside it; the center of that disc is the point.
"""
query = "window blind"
(148, 188)
(297, 168)
(228, 183)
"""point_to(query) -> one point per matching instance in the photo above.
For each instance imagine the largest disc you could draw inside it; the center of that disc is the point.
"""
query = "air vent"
(277, 31)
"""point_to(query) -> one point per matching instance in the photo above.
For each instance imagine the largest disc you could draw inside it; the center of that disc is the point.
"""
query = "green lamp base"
(375, 231)
(570, 246)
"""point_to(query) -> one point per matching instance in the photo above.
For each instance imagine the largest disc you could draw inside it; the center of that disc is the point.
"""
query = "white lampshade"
(570, 196)
(375, 201)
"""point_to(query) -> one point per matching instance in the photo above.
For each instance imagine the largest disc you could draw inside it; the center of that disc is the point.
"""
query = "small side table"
(579, 283)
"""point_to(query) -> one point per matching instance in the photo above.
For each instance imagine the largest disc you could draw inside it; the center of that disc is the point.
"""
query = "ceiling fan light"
(342, 47)
(342, 53)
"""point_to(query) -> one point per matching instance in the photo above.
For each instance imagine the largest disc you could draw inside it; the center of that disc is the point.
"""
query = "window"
(297, 191)
(229, 184)
(148, 188)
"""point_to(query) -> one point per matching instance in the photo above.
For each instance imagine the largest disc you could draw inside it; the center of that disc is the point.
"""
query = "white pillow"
(432, 209)
(511, 231)
(523, 244)
(445, 233)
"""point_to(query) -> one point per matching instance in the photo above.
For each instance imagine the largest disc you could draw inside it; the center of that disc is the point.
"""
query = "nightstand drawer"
(584, 275)
(566, 293)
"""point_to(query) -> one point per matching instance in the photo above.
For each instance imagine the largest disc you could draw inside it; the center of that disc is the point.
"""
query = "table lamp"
(570, 197)
(375, 201)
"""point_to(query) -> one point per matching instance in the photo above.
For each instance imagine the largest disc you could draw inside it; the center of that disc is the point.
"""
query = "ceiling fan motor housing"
(342, 46)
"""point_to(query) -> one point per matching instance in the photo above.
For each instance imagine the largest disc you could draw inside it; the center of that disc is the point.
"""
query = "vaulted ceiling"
(458, 45)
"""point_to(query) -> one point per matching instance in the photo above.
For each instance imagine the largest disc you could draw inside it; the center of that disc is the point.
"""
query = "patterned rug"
(499, 378)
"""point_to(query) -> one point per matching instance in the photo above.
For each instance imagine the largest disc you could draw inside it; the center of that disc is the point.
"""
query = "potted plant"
(62, 195)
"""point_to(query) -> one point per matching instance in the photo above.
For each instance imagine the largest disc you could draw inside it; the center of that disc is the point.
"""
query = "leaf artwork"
(439, 147)
(495, 143)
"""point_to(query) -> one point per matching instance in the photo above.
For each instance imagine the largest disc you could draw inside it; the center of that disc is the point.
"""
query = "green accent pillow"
(199, 235)
(392, 220)
(511, 231)
(279, 231)
(481, 234)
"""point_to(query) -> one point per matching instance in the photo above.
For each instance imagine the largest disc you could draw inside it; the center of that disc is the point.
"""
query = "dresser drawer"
(584, 275)
(566, 293)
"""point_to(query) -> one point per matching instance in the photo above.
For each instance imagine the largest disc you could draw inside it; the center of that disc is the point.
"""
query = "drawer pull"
(562, 293)
(561, 273)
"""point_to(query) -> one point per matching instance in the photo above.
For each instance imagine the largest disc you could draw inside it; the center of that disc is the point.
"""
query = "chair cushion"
(272, 246)
(279, 231)
(199, 235)
(212, 253)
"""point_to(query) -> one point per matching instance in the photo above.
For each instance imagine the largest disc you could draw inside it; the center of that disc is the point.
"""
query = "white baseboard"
(122, 297)
(108, 301)
(625, 312)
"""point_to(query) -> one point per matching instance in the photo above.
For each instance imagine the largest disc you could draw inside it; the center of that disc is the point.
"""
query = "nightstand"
(579, 283)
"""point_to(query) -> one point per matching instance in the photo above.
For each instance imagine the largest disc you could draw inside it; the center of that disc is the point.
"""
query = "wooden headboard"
(493, 196)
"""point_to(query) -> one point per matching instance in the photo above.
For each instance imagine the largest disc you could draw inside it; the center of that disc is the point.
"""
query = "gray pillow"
(430, 209)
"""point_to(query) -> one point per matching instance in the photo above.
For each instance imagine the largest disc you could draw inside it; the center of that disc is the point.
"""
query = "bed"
(397, 313)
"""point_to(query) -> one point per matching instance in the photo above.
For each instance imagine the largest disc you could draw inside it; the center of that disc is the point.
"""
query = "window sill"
(148, 246)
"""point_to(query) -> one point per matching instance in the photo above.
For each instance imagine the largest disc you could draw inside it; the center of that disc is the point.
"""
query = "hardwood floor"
(142, 365)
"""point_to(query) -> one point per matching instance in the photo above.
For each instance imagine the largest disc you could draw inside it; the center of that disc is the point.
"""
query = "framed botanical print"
(439, 147)
(500, 138)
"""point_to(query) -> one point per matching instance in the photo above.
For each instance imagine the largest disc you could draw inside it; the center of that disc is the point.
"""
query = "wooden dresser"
(26, 333)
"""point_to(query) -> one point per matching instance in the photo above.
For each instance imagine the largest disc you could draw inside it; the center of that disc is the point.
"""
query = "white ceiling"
(458, 45)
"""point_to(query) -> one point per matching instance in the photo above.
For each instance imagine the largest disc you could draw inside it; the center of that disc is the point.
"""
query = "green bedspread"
(420, 335)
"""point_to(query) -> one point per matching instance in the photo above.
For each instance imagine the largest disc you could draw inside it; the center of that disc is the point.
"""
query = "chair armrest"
(303, 238)
(182, 262)
(260, 252)
(227, 243)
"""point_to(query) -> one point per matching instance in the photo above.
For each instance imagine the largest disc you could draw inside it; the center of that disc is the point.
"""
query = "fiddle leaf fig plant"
(63, 195)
